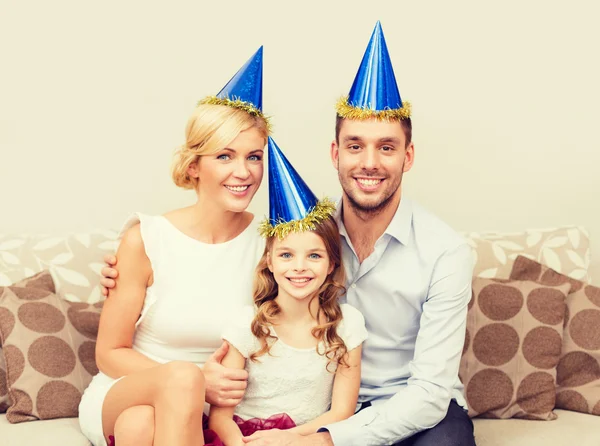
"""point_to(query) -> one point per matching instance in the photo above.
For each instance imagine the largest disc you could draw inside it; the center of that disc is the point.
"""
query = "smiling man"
(408, 273)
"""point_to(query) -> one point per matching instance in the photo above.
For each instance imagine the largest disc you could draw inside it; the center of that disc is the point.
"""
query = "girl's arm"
(114, 355)
(220, 419)
(344, 396)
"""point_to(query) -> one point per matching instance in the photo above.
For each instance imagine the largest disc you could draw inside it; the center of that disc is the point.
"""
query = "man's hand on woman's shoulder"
(109, 274)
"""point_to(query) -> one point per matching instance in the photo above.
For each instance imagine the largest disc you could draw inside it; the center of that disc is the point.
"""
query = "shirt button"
(353, 285)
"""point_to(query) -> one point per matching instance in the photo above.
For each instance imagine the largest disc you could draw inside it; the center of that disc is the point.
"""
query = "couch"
(75, 261)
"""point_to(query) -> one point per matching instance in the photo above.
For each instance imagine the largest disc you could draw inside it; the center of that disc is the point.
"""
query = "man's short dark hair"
(406, 125)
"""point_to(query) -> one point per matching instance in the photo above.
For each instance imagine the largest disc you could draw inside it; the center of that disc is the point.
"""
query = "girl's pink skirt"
(280, 421)
(248, 427)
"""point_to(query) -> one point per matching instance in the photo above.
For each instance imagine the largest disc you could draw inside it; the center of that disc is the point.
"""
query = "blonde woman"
(163, 321)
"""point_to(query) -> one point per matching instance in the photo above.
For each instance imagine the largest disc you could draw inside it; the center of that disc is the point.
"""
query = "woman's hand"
(225, 387)
(109, 274)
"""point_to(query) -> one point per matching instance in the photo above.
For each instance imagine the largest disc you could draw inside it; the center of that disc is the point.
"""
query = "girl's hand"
(225, 387)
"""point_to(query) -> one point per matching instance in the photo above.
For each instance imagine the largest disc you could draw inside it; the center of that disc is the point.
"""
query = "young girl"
(300, 347)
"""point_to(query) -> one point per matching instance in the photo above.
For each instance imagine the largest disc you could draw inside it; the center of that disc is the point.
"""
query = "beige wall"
(94, 97)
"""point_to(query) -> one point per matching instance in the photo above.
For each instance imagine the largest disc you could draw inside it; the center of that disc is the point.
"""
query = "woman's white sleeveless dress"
(197, 288)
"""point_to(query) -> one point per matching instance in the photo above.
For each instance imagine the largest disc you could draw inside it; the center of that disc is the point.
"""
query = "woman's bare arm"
(114, 355)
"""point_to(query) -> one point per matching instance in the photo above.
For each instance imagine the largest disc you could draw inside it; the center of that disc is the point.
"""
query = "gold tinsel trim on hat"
(345, 110)
(323, 209)
(239, 104)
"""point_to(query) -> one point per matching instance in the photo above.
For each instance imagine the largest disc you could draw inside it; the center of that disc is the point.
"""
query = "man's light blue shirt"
(413, 291)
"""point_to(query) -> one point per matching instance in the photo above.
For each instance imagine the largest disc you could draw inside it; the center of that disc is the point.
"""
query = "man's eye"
(387, 148)
(354, 147)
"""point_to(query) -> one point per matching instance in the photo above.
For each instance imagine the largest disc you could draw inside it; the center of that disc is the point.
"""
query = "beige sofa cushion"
(565, 249)
(61, 432)
(571, 428)
(74, 261)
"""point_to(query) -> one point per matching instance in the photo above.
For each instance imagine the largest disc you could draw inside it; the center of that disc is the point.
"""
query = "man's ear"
(335, 154)
(409, 157)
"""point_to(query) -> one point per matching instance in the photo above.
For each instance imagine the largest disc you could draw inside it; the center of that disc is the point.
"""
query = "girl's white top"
(197, 287)
(289, 380)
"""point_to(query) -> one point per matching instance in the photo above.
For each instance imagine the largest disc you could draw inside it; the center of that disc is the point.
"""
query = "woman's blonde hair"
(210, 129)
(266, 290)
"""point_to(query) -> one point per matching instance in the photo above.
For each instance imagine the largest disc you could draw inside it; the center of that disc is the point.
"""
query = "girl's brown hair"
(266, 290)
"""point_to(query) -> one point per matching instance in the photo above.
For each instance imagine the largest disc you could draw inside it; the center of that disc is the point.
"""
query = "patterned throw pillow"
(566, 250)
(49, 346)
(578, 371)
(43, 281)
(74, 261)
(512, 347)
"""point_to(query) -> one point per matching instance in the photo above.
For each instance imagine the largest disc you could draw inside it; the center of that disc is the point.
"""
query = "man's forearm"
(318, 439)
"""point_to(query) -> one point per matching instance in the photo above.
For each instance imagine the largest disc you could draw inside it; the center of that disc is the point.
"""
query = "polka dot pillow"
(578, 370)
(45, 282)
(512, 347)
(48, 345)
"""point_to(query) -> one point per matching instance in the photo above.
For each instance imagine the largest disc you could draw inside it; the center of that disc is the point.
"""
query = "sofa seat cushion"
(59, 432)
(571, 428)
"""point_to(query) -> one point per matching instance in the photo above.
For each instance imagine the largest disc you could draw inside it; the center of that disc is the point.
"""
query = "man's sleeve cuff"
(350, 432)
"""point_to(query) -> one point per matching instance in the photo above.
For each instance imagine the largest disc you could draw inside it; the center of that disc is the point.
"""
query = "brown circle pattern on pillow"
(572, 399)
(42, 280)
(489, 390)
(541, 347)
(61, 363)
(547, 305)
(57, 398)
(500, 309)
(593, 294)
(584, 329)
(536, 393)
(509, 362)
(87, 356)
(84, 321)
(496, 344)
(41, 317)
(48, 346)
(578, 370)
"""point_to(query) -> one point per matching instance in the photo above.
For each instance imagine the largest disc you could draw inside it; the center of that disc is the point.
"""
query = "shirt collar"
(399, 227)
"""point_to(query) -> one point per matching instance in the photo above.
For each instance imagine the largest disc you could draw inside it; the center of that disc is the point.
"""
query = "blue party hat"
(292, 205)
(374, 93)
(244, 89)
